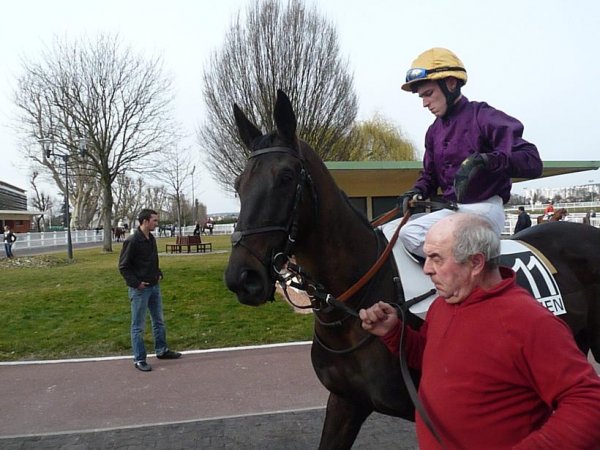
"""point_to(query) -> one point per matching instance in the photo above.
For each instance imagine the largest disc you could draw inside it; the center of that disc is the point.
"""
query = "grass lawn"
(56, 309)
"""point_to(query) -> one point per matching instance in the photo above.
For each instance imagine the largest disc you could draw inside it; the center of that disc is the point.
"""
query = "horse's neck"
(341, 246)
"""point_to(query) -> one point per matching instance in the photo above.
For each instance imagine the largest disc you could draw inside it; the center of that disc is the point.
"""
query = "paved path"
(260, 397)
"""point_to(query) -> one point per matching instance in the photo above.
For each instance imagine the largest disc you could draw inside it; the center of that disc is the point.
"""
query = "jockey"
(472, 150)
(549, 211)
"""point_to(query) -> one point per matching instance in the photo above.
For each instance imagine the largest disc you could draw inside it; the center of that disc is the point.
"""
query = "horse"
(291, 206)
(559, 214)
(118, 233)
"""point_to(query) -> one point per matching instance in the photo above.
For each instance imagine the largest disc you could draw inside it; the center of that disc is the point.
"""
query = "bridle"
(279, 264)
(277, 260)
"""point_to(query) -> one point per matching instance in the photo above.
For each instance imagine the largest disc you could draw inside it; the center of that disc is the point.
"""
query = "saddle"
(534, 272)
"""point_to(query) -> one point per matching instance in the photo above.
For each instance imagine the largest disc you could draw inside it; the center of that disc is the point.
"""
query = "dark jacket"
(139, 260)
(523, 221)
(9, 237)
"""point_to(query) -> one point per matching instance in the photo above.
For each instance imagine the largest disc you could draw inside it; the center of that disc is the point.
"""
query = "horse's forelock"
(263, 141)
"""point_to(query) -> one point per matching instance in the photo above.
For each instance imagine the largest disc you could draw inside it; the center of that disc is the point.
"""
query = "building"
(373, 187)
(13, 208)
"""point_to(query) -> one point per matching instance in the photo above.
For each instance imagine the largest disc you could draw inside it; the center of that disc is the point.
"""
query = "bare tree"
(157, 198)
(129, 198)
(103, 92)
(177, 173)
(40, 200)
(276, 47)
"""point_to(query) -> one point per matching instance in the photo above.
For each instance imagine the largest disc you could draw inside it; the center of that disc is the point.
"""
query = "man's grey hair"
(474, 234)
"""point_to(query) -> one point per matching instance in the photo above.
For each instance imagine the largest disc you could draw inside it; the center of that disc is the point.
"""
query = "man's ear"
(477, 262)
(451, 83)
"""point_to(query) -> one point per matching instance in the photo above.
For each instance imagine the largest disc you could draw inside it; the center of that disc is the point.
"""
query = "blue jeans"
(8, 249)
(142, 300)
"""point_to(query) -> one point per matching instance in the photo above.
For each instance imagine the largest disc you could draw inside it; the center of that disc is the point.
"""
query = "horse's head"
(560, 214)
(273, 189)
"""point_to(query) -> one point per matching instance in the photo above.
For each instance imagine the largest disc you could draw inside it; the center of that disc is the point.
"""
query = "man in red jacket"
(499, 371)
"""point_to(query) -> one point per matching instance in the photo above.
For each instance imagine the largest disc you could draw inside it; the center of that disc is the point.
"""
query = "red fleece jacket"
(499, 371)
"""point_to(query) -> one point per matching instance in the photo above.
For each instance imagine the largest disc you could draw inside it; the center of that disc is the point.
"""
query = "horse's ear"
(248, 131)
(285, 119)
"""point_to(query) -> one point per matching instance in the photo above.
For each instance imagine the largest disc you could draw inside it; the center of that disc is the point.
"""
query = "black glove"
(470, 167)
(413, 194)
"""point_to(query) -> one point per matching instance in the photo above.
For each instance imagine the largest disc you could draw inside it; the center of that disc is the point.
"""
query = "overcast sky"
(535, 60)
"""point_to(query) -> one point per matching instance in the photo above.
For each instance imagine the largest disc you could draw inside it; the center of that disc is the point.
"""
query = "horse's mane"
(358, 212)
(342, 194)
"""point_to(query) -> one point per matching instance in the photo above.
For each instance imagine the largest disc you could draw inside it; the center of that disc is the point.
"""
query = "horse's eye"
(285, 177)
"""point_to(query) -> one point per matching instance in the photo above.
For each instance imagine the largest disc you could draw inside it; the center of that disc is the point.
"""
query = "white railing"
(595, 205)
(218, 228)
(54, 238)
(511, 221)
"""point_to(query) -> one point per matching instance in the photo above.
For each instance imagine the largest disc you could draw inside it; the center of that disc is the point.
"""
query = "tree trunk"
(107, 205)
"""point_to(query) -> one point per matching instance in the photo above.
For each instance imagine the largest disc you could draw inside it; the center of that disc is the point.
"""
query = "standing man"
(523, 220)
(138, 265)
(499, 371)
(472, 150)
(9, 239)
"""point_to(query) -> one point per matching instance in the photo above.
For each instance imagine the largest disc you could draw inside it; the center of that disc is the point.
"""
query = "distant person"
(523, 220)
(9, 240)
(210, 226)
(549, 211)
(197, 230)
(472, 150)
(138, 265)
(499, 371)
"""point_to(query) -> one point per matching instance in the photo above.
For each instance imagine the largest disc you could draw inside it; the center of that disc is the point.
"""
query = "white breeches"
(412, 234)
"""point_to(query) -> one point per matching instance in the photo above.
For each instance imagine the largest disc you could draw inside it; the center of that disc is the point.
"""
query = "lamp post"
(193, 196)
(49, 150)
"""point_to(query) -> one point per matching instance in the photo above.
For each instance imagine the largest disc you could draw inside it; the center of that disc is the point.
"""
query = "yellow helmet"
(434, 64)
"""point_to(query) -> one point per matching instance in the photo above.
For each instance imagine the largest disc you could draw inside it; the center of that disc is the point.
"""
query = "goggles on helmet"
(420, 73)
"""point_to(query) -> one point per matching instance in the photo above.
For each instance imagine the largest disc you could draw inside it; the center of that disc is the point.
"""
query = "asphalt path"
(255, 397)
(245, 398)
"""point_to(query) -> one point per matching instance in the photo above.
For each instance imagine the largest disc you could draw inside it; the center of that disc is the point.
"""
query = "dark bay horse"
(119, 233)
(290, 205)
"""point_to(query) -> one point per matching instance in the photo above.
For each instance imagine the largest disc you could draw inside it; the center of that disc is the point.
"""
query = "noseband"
(277, 260)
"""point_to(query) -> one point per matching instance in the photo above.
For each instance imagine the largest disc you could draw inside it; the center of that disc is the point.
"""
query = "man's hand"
(467, 171)
(379, 319)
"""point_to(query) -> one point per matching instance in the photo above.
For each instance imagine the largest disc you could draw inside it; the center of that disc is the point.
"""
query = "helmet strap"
(451, 96)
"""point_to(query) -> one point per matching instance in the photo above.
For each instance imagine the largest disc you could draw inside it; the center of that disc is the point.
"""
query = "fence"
(511, 221)
(54, 238)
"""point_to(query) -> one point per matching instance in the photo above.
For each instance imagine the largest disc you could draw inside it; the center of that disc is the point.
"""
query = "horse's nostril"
(251, 282)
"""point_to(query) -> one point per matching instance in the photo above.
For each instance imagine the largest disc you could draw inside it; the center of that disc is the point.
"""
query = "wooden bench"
(189, 242)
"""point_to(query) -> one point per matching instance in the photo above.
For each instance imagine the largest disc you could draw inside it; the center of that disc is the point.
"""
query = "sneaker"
(143, 366)
(169, 355)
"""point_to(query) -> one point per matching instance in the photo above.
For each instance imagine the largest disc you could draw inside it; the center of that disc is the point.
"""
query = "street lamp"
(193, 196)
(49, 150)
